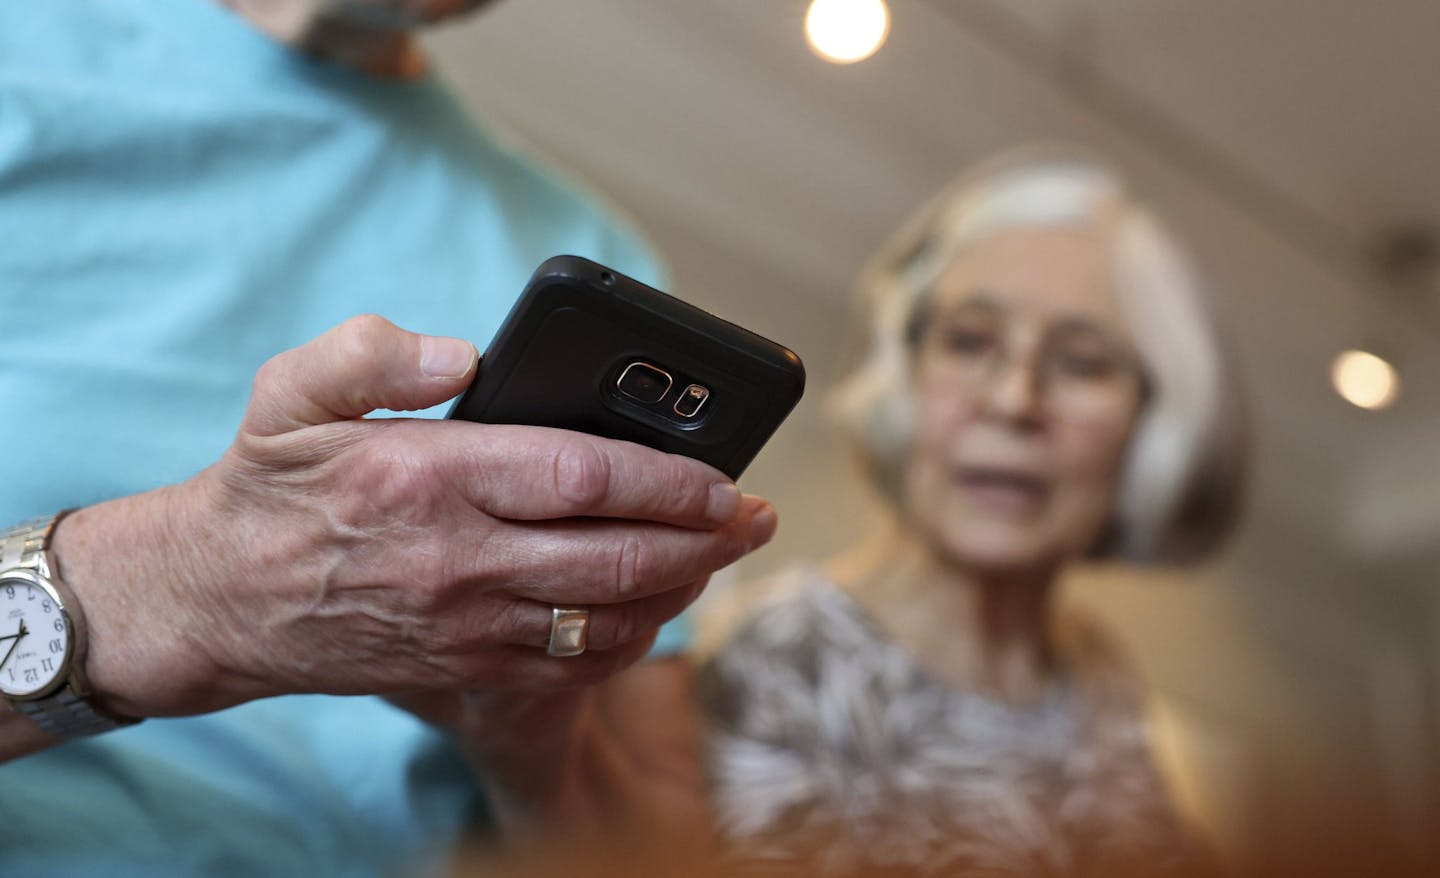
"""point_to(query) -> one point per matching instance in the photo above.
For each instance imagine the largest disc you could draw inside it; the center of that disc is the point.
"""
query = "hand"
(328, 553)
(612, 764)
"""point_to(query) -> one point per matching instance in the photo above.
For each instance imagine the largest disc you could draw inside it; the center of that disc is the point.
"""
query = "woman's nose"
(1013, 391)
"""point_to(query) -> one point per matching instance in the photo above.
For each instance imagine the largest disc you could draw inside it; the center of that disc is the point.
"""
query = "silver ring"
(569, 631)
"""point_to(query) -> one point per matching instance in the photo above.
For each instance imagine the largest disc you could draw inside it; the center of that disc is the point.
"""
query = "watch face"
(34, 637)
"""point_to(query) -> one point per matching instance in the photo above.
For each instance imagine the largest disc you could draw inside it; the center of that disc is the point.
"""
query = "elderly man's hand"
(330, 553)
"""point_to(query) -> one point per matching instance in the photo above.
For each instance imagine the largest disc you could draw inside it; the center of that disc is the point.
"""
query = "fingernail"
(724, 502)
(762, 527)
(442, 357)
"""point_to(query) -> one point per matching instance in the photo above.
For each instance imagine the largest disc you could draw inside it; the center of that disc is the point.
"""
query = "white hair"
(1179, 491)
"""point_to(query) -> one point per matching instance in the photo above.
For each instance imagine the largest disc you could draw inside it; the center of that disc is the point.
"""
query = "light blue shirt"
(180, 199)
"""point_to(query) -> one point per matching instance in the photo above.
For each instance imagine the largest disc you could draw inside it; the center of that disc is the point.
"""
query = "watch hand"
(15, 638)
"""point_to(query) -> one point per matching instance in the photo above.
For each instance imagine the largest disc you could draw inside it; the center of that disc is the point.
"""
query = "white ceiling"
(1277, 136)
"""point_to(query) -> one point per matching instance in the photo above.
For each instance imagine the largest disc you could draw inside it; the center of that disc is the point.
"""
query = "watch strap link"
(65, 715)
(24, 544)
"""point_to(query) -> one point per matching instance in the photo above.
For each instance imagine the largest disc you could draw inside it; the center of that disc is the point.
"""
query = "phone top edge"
(590, 274)
(564, 283)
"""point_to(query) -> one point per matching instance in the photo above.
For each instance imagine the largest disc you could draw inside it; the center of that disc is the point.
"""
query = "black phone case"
(556, 358)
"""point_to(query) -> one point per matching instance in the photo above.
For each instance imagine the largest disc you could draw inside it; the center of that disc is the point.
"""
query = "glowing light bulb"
(1365, 380)
(846, 31)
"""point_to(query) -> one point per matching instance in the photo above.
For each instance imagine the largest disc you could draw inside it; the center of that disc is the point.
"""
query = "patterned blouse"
(830, 746)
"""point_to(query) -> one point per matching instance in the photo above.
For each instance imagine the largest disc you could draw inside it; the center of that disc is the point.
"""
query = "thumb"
(365, 363)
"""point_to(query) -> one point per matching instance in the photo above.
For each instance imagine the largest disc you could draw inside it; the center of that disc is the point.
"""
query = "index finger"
(535, 473)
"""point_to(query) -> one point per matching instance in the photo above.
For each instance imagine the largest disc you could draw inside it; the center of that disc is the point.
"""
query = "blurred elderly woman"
(1044, 385)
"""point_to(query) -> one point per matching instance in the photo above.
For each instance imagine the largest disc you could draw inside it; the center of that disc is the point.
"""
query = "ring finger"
(610, 625)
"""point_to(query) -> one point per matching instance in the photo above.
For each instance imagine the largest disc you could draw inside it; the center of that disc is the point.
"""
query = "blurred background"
(1291, 143)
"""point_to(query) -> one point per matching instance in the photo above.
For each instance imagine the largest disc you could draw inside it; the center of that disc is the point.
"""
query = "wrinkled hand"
(330, 553)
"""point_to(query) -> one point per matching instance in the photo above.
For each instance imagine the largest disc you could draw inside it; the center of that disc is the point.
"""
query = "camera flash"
(689, 403)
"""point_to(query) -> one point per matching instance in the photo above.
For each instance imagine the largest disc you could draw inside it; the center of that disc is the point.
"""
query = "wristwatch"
(42, 637)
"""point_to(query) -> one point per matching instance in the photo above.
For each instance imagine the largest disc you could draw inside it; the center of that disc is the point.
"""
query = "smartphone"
(587, 348)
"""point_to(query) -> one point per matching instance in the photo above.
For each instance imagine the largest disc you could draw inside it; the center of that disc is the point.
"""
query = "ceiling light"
(1365, 380)
(846, 31)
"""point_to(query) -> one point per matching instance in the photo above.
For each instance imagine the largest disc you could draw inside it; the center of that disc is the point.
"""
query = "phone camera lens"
(644, 382)
(607, 278)
(691, 401)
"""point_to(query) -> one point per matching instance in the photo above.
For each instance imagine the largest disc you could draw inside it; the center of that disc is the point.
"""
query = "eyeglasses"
(1071, 363)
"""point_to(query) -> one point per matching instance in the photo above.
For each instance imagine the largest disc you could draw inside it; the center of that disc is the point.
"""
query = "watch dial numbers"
(34, 638)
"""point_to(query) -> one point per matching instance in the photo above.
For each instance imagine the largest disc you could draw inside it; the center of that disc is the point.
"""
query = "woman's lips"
(1000, 491)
